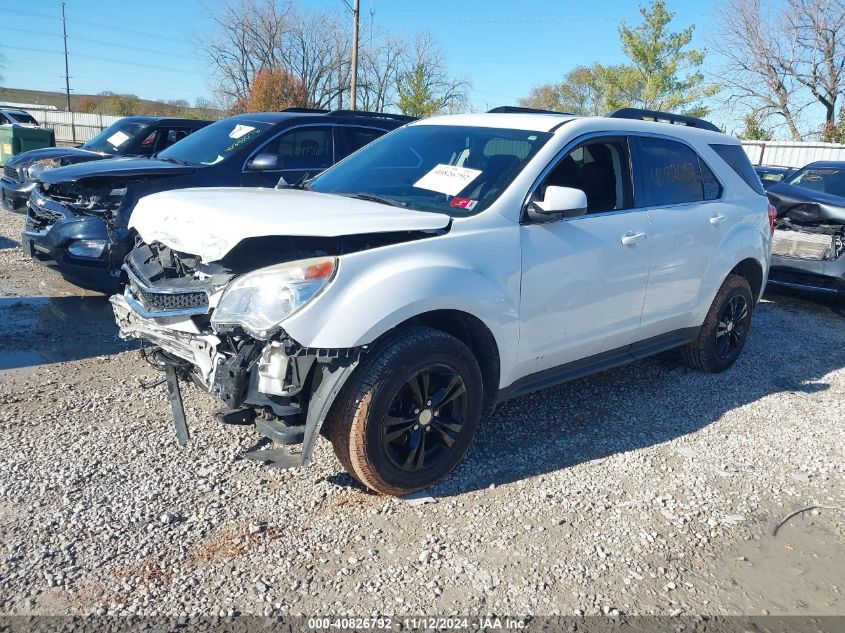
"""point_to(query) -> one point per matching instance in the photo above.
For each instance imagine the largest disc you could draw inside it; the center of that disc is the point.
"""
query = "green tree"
(754, 131)
(580, 92)
(663, 72)
(415, 96)
(835, 132)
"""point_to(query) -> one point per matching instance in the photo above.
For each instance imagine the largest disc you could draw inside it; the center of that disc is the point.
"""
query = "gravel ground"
(649, 489)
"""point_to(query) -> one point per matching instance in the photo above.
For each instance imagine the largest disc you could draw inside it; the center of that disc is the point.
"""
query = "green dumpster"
(16, 139)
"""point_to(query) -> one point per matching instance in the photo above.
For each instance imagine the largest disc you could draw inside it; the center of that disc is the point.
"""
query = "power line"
(123, 62)
(107, 43)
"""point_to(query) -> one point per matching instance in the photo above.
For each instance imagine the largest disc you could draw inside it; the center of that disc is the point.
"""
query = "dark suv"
(130, 136)
(78, 215)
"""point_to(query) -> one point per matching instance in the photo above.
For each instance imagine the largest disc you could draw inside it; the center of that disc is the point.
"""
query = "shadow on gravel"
(810, 300)
(42, 330)
(792, 347)
(5, 243)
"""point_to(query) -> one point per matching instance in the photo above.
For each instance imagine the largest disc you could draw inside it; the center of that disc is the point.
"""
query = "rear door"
(354, 137)
(688, 219)
(584, 278)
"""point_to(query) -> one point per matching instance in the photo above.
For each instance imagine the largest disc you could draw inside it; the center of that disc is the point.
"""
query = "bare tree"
(754, 77)
(816, 54)
(379, 66)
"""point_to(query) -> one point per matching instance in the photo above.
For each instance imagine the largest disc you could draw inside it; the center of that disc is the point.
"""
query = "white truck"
(452, 264)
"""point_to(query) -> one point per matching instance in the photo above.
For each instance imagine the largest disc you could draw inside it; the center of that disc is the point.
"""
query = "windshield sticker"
(463, 203)
(447, 179)
(118, 138)
(240, 130)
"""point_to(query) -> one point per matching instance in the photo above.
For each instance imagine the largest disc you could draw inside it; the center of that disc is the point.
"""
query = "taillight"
(773, 213)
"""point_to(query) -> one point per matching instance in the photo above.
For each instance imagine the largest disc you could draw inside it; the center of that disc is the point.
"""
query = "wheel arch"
(473, 333)
(751, 270)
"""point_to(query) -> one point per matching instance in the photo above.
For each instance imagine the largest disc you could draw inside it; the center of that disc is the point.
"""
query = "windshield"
(23, 117)
(215, 143)
(825, 179)
(115, 138)
(452, 169)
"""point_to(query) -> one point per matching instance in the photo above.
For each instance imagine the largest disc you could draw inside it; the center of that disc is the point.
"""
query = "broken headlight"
(39, 167)
(260, 300)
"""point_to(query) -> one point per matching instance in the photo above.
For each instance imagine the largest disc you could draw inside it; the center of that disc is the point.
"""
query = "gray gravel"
(646, 489)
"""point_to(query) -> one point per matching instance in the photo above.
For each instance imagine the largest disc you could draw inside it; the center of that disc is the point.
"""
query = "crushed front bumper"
(817, 276)
(15, 194)
(49, 233)
(260, 377)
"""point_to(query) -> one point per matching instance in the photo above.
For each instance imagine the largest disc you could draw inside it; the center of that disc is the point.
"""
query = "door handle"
(718, 219)
(632, 238)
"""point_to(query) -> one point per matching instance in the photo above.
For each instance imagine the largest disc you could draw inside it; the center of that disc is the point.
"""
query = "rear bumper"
(824, 277)
(14, 195)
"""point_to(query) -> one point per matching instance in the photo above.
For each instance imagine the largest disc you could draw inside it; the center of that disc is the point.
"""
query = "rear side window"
(671, 172)
(360, 136)
(737, 159)
(712, 186)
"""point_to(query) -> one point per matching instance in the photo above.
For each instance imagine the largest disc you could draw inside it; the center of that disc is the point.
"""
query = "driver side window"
(599, 168)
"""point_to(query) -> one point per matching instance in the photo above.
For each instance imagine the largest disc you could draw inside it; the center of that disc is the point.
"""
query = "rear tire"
(725, 331)
(408, 413)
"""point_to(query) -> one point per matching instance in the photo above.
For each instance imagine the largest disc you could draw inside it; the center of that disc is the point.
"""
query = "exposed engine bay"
(100, 197)
(170, 300)
(816, 241)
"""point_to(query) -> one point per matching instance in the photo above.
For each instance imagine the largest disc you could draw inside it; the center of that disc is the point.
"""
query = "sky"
(146, 47)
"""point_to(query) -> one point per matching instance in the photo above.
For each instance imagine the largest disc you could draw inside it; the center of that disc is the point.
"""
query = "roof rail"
(521, 110)
(304, 110)
(383, 115)
(662, 117)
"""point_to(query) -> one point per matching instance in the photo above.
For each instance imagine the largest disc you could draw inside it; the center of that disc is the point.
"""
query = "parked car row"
(454, 263)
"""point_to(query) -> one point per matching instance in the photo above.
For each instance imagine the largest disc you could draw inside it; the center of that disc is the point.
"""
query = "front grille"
(38, 219)
(10, 172)
(178, 301)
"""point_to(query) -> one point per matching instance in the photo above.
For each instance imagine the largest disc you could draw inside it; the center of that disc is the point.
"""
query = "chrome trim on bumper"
(145, 312)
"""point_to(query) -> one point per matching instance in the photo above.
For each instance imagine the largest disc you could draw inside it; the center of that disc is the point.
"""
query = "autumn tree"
(272, 90)
(86, 104)
(118, 104)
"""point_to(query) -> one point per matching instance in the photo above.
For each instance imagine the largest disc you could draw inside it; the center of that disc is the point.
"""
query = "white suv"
(454, 263)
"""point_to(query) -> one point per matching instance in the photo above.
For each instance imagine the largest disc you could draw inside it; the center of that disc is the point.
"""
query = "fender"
(748, 239)
(377, 290)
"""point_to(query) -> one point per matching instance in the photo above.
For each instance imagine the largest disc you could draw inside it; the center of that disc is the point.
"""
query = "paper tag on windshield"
(448, 179)
(118, 138)
(240, 130)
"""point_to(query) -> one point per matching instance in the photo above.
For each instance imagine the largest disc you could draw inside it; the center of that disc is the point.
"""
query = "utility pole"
(67, 77)
(67, 73)
(356, 11)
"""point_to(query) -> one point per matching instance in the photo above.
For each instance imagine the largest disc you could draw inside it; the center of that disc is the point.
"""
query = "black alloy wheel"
(424, 418)
(732, 327)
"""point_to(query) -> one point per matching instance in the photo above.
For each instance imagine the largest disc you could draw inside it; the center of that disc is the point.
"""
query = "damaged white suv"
(454, 263)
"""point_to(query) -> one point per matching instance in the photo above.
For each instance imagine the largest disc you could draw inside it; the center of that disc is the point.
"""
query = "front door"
(584, 278)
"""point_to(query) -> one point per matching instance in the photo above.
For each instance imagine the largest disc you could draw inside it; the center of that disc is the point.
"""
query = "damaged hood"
(806, 205)
(210, 222)
(62, 155)
(114, 167)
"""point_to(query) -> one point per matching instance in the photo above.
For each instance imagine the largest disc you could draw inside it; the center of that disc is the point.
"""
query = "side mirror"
(265, 162)
(564, 201)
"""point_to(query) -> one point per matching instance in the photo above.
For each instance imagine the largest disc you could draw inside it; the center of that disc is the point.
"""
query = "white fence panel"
(73, 127)
(791, 153)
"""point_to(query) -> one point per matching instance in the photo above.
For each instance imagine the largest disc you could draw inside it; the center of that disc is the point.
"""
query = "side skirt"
(599, 362)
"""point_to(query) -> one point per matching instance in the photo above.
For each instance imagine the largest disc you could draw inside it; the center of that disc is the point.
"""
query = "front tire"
(725, 331)
(409, 411)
